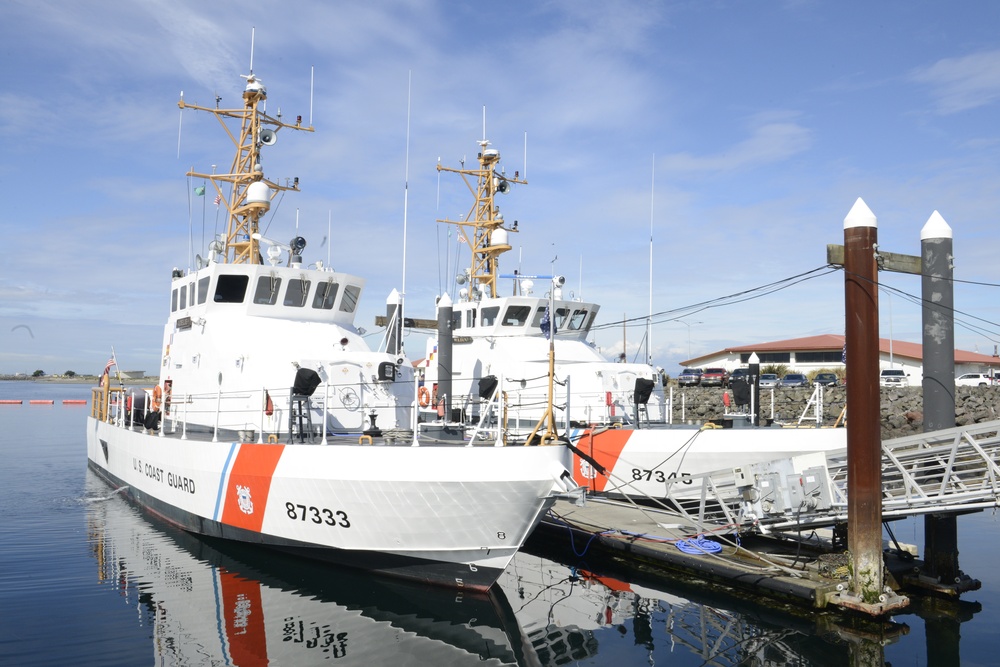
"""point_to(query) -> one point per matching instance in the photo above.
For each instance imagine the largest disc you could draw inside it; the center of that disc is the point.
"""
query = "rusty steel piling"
(868, 591)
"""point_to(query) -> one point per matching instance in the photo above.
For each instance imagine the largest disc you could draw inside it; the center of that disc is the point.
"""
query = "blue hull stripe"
(222, 481)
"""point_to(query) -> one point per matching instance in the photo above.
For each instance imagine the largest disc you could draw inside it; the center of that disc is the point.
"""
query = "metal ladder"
(300, 417)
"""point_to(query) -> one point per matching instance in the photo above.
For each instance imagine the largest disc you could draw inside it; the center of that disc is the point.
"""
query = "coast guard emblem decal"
(243, 498)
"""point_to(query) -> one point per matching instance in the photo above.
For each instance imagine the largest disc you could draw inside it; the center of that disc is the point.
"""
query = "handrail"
(948, 471)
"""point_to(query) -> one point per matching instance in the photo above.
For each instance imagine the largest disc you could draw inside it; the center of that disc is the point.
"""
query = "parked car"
(973, 380)
(826, 379)
(739, 374)
(794, 380)
(893, 377)
(689, 377)
(715, 377)
(768, 380)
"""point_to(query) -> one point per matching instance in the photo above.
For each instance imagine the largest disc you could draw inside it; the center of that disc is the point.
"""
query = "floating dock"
(658, 541)
(662, 545)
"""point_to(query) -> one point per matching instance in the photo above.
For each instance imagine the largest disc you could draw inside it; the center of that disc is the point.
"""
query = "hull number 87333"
(317, 515)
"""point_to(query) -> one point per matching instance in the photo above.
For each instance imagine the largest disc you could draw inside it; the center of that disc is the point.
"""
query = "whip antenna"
(253, 31)
(180, 124)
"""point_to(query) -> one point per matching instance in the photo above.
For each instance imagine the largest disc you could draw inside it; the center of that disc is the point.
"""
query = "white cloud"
(768, 143)
(959, 84)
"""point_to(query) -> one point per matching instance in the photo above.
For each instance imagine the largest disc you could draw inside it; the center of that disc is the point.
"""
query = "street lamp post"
(688, 325)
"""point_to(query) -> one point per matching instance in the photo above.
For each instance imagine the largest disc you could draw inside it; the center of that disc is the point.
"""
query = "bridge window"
(490, 316)
(350, 301)
(470, 318)
(326, 294)
(182, 303)
(578, 319)
(297, 293)
(231, 289)
(267, 290)
(203, 289)
(516, 316)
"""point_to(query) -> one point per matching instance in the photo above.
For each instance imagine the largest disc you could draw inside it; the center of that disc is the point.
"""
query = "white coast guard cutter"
(280, 427)
(500, 351)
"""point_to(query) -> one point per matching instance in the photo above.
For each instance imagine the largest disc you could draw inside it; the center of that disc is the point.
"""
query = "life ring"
(423, 397)
(157, 398)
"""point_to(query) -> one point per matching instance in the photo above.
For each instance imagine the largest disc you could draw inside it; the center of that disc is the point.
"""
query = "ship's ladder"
(947, 471)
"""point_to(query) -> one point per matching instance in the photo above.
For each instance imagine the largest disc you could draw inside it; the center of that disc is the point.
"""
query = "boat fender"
(157, 398)
(423, 397)
(152, 420)
(725, 398)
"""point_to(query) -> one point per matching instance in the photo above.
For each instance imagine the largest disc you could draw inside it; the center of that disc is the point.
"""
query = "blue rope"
(572, 542)
(698, 546)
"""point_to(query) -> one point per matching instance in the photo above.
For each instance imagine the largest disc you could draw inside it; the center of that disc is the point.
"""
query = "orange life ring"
(423, 397)
(157, 398)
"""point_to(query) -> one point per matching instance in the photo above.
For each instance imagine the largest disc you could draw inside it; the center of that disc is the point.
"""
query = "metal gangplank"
(948, 471)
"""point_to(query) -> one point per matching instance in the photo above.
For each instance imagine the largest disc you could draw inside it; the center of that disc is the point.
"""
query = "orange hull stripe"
(605, 448)
(252, 471)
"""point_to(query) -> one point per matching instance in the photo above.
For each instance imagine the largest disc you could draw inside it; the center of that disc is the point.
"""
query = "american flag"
(547, 326)
(218, 199)
(107, 368)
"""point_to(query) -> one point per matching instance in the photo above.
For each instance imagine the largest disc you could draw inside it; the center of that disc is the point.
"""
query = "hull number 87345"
(640, 475)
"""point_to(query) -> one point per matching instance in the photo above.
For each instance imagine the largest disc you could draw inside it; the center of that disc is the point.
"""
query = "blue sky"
(736, 134)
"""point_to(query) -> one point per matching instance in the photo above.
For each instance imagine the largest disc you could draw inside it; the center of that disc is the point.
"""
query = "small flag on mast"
(200, 190)
(547, 324)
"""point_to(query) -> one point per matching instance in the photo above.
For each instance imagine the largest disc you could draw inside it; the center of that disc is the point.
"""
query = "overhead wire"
(729, 299)
(819, 272)
(992, 335)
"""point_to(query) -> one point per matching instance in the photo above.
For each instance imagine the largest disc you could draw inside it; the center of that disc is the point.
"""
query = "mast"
(250, 193)
(483, 226)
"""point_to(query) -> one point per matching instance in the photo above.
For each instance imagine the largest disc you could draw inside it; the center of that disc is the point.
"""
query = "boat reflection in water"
(218, 602)
(570, 615)
(212, 602)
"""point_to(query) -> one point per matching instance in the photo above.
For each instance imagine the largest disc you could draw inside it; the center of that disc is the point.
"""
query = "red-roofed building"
(804, 355)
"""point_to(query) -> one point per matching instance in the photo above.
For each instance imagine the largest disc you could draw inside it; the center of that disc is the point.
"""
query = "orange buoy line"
(42, 401)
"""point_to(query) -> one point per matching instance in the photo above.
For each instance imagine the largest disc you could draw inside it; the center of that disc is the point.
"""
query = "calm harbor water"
(86, 580)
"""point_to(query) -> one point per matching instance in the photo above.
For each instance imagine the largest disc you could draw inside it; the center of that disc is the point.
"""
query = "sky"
(679, 157)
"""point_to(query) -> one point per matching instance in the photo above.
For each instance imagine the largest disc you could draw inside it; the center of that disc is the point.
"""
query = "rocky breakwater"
(902, 409)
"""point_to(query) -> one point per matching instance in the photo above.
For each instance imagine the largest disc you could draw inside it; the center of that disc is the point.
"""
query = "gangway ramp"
(947, 471)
